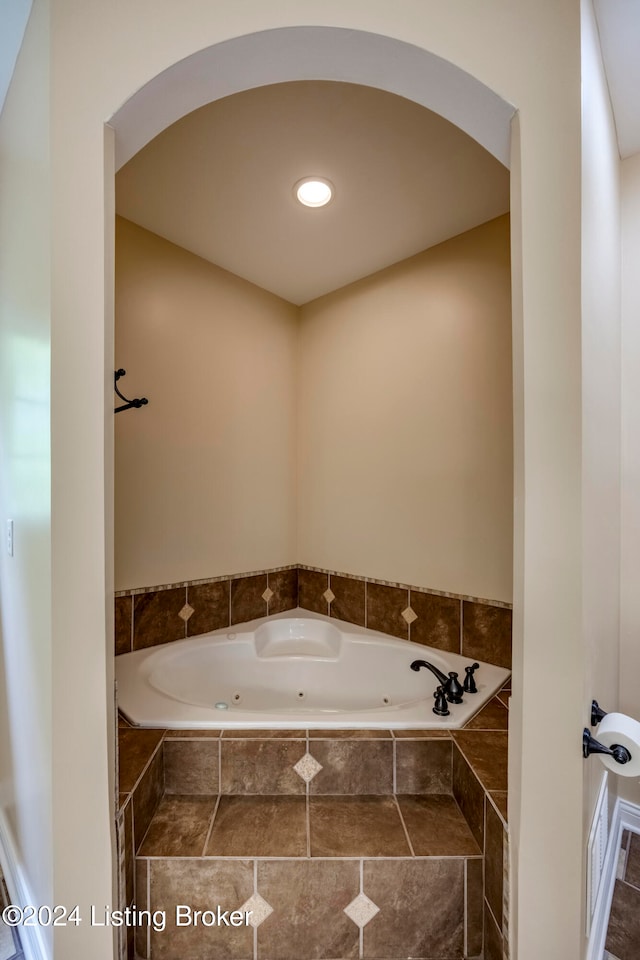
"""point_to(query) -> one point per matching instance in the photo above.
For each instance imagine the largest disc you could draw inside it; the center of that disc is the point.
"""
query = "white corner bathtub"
(295, 670)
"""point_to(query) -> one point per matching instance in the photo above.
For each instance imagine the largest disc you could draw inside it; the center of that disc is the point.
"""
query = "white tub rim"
(491, 679)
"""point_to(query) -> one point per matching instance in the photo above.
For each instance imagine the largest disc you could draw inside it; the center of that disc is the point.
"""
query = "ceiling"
(619, 29)
(13, 23)
(219, 182)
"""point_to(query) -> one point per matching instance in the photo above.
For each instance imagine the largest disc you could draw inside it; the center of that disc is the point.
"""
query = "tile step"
(419, 908)
(278, 826)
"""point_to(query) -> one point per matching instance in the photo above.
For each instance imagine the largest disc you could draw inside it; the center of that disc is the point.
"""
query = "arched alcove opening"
(313, 53)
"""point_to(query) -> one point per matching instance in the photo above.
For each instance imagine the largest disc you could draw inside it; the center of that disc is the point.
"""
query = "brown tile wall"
(423, 766)
(186, 795)
(474, 628)
(261, 766)
(479, 761)
(191, 767)
(146, 797)
(151, 617)
(408, 885)
(353, 767)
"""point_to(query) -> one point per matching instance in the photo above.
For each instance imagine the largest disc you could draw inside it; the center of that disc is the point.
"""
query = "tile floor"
(10, 948)
(623, 933)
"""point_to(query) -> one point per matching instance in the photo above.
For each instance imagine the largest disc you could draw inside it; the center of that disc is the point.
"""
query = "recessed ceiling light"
(313, 191)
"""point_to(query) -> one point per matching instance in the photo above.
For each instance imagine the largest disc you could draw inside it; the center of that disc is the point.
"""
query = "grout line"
(349, 859)
(461, 625)
(366, 602)
(631, 886)
(146, 767)
(466, 919)
(186, 601)
(149, 906)
(255, 893)
(394, 757)
(484, 826)
(471, 766)
(404, 826)
(209, 831)
(132, 608)
(361, 936)
(220, 763)
(498, 925)
(307, 793)
(451, 780)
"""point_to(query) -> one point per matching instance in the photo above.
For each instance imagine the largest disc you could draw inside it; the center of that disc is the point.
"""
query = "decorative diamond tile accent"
(409, 615)
(329, 595)
(259, 909)
(307, 767)
(361, 910)
(267, 594)
(186, 612)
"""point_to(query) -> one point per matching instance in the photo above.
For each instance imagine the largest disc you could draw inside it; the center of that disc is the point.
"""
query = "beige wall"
(101, 54)
(403, 414)
(601, 348)
(205, 473)
(405, 437)
(600, 393)
(630, 592)
(25, 578)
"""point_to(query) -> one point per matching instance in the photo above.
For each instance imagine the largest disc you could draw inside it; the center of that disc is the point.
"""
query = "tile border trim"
(135, 591)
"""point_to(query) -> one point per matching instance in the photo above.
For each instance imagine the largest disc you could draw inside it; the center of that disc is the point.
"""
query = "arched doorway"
(303, 53)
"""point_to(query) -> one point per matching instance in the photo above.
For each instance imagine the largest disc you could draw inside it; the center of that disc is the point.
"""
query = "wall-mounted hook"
(139, 402)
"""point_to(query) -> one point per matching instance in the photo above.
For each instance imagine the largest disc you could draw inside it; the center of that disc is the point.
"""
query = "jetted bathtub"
(295, 670)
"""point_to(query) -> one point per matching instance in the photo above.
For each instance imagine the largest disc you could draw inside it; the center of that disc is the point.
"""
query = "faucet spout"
(452, 688)
(442, 677)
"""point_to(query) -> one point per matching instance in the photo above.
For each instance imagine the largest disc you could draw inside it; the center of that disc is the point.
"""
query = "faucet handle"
(453, 688)
(440, 707)
(469, 682)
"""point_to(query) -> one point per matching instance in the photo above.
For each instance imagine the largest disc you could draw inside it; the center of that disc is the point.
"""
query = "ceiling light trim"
(310, 193)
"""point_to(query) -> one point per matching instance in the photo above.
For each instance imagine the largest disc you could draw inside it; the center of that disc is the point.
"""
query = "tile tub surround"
(310, 853)
(475, 628)
(150, 616)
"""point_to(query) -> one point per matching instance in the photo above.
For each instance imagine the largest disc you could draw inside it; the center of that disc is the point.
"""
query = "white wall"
(205, 473)
(25, 578)
(405, 426)
(630, 587)
(101, 54)
(601, 404)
